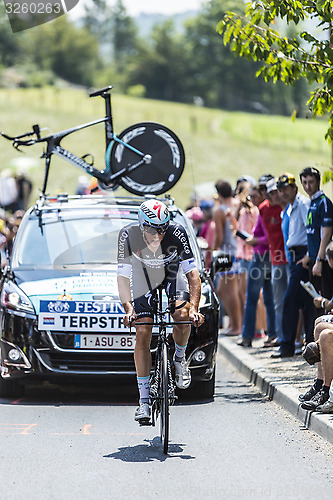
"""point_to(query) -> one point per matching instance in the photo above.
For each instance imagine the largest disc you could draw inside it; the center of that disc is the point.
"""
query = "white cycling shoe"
(142, 413)
(182, 374)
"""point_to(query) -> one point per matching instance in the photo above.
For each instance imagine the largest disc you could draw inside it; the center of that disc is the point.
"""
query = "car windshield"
(67, 241)
(76, 240)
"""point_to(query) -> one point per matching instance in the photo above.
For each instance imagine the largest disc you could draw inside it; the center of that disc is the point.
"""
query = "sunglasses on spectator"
(153, 230)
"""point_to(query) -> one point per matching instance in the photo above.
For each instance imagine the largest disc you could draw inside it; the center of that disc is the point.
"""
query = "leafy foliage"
(69, 52)
(189, 65)
(284, 58)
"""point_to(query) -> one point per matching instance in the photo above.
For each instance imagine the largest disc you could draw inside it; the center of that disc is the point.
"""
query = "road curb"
(277, 389)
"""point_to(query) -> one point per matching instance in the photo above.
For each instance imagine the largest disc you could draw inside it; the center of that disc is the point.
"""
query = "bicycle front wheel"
(161, 150)
(164, 421)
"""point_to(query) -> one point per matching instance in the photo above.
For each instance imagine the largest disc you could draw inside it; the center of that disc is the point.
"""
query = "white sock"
(180, 351)
(331, 392)
(143, 385)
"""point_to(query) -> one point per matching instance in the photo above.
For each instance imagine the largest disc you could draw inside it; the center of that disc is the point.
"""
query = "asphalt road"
(85, 444)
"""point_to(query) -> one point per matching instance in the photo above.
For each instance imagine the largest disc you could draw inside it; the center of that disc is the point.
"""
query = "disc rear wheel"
(160, 151)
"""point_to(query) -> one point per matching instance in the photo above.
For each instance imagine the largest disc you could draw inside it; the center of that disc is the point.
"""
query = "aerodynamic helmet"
(154, 214)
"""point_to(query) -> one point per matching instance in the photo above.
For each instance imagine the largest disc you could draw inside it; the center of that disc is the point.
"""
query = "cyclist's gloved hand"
(129, 318)
(196, 317)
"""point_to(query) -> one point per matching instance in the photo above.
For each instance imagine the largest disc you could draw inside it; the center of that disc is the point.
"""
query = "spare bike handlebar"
(18, 140)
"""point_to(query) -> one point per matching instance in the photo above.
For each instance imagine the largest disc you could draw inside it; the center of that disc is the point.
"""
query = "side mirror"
(221, 262)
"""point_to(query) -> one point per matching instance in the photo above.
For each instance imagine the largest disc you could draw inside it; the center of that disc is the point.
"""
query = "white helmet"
(154, 214)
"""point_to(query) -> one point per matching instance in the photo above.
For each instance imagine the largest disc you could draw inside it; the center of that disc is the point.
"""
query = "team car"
(60, 312)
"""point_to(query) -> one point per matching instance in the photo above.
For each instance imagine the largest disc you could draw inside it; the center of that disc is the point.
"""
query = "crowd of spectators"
(278, 240)
(15, 191)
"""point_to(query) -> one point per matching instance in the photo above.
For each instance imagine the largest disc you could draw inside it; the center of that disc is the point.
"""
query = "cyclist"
(152, 252)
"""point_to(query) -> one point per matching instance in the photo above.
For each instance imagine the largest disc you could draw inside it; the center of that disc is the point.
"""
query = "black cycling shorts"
(178, 288)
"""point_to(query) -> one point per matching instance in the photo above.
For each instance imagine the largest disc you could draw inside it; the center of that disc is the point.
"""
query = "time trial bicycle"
(145, 158)
(162, 389)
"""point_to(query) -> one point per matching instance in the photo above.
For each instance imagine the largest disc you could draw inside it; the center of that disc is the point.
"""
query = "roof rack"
(63, 198)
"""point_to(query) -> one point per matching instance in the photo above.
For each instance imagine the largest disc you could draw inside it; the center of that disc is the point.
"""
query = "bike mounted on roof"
(145, 158)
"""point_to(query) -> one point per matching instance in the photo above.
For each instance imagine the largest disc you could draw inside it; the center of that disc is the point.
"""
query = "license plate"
(121, 342)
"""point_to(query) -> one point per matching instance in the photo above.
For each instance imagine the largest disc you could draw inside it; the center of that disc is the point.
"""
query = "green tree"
(220, 78)
(96, 18)
(287, 58)
(10, 46)
(115, 30)
(161, 65)
(70, 52)
(123, 35)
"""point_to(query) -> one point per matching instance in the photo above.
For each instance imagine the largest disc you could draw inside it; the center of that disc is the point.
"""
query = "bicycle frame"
(53, 145)
(148, 144)
(162, 386)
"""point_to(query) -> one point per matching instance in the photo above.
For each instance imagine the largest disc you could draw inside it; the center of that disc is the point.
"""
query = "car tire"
(10, 388)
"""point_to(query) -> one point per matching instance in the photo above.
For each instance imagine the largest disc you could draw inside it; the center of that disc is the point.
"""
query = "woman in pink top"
(259, 277)
(208, 229)
(246, 222)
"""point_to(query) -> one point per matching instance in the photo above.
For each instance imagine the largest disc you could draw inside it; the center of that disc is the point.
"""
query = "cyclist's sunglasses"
(154, 230)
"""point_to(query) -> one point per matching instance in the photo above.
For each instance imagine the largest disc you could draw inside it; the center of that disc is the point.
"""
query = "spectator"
(13, 223)
(82, 187)
(295, 297)
(259, 277)
(8, 191)
(270, 211)
(3, 243)
(24, 188)
(262, 183)
(320, 396)
(227, 288)
(247, 218)
(245, 178)
(285, 232)
(197, 218)
(208, 229)
(319, 233)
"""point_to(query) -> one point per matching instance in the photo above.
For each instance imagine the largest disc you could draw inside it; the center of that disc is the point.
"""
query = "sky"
(169, 7)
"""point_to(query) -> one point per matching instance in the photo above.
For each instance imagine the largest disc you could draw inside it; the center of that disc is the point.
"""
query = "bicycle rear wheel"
(164, 421)
(165, 166)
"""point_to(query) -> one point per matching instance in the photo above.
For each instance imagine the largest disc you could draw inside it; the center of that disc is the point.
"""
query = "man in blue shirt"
(296, 297)
(319, 233)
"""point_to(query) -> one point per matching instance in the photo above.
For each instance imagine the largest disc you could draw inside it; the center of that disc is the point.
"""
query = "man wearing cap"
(246, 178)
(319, 233)
(270, 212)
(262, 181)
(295, 297)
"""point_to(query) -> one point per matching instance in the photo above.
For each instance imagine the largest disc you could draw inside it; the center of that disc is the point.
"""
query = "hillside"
(217, 144)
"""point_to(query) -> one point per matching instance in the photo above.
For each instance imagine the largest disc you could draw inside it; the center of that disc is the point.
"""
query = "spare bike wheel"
(161, 153)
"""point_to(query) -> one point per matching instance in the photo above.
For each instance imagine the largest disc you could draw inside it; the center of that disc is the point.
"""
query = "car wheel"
(10, 388)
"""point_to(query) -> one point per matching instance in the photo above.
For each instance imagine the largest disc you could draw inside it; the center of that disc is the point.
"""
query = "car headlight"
(12, 297)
